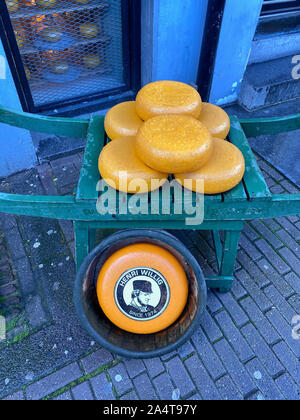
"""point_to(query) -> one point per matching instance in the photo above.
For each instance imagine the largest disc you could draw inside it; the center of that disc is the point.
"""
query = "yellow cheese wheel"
(215, 119)
(142, 288)
(12, 5)
(221, 173)
(46, 3)
(122, 120)
(89, 30)
(92, 61)
(120, 167)
(167, 97)
(174, 143)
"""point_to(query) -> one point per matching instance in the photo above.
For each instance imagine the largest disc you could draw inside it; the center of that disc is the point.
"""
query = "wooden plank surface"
(255, 184)
(254, 127)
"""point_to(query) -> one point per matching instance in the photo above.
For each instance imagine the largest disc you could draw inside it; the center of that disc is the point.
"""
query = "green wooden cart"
(251, 199)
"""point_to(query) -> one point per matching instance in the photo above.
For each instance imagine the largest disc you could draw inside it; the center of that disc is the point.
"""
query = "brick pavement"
(243, 349)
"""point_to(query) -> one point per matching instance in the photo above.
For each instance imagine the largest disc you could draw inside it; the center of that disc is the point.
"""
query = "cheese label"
(142, 293)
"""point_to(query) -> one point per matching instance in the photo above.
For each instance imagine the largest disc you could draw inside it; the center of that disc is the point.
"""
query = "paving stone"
(288, 359)
(180, 377)
(154, 367)
(8, 221)
(262, 350)
(35, 311)
(237, 290)
(131, 396)
(195, 397)
(289, 241)
(26, 280)
(292, 229)
(291, 259)
(271, 223)
(7, 290)
(53, 382)
(288, 387)
(102, 387)
(17, 396)
(277, 189)
(291, 188)
(120, 379)
(213, 303)
(272, 257)
(284, 329)
(164, 386)
(234, 309)
(208, 355)
(15, 244)
(235, 368)
(249, 248)
(204, 384)
(278, 281)
(46, 179)
(263, 381)
(66, 396)
(260, 321)
(186, 350)
(134, 367)
(280, 303)
(267, 234)
(234, 337)
(144, 387)
(68, 229)
(96, 360)
(294, 301)
(210, 327)
(250, 232)
(228, 389)
(82, 392)
(253, 290)
(253, 270)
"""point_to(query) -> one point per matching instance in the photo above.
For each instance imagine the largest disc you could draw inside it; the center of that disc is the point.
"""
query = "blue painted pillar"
(17, 151)
(171, 39)
(238, 28)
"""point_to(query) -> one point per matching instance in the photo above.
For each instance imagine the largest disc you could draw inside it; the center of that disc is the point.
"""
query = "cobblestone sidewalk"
(243, 349)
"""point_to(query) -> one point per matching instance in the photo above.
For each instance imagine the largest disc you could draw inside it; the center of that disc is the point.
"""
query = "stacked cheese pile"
(168, 130)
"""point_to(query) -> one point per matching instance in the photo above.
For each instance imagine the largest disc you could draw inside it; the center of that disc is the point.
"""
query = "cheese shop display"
(174, 143)
(121, 168)
(142, 288)
(89, 30)
(215, 119)
(167, 97)
(122, 120)
(221, 173)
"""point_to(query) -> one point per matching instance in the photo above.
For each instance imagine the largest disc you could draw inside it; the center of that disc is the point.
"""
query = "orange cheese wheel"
(120, 167)
(167, 97)
(215, 120)
(142, 288)
(221, 173)
(122, 120)
(174, 143)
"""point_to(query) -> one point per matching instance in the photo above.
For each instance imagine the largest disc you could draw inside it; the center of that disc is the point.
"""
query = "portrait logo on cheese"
(142, 293)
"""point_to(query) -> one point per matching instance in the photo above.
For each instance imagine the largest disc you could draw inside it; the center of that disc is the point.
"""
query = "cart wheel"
(140, 293)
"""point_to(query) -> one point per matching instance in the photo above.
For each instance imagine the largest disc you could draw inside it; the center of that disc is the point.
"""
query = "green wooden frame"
(251, 199)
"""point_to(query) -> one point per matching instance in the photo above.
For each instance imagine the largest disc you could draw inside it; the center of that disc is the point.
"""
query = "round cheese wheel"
(174, 143)
(122, 120)
(221, 173)
(60, 67)
(167, 97)
(120, 167)
(142, 288)
(215, 119)
(52, 34)
(12, 5)
(89, 30)
(46, 3)
(92, 61)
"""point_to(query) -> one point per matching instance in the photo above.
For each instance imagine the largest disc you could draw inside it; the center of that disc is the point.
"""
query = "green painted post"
(231, 244)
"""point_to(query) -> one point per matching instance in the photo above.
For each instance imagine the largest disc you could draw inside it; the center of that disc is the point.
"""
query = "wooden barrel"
(117, 340)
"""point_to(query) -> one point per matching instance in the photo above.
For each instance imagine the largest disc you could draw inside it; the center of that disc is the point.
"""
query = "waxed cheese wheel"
(47, 4)
(174, 143)
(12, 5)
(122, 120)
(121, 168)
(89, 30)
(142, 288)
(168, 97)
(221, 173)
(215, 119)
